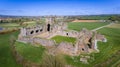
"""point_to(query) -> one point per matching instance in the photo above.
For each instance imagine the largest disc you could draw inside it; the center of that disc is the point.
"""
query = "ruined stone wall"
(34, 30)
(65, 48)
(44, 42)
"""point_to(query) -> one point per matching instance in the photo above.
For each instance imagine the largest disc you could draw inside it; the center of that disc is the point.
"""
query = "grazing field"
(86, 21)
(30, 52)
(109, 54)
(96, 17)
(9, 25)
(90, 26)
(6, 58)
(60, 39)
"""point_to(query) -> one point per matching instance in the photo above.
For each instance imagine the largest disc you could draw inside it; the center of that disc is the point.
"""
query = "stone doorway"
(48, 27)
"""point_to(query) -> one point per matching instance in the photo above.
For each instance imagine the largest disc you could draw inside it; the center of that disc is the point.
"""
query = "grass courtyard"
(60, 39)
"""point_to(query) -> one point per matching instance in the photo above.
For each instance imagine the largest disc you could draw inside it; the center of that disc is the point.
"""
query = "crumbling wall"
(44, 42)
(65, 48)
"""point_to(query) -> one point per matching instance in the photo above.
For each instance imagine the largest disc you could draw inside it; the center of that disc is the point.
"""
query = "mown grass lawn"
(6, 58)
(78, 26)
(107, 50)
(30, 52)
(60, 39)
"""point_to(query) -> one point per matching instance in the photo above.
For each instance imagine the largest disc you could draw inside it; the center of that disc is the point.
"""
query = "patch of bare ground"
(114, 26)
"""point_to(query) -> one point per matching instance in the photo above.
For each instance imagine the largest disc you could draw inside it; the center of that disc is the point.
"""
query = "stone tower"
(49, 23)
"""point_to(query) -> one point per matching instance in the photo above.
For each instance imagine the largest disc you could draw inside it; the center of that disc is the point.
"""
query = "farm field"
(89, 26)
(9, 25)
(86, 21)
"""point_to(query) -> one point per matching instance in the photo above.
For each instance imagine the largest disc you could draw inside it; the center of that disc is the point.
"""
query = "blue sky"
(59, 7)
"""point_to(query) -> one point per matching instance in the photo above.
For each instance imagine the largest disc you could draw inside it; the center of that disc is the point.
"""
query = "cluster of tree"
(115, 18)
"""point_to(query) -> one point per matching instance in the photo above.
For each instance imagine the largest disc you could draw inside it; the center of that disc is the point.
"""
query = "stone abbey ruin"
(86, 40)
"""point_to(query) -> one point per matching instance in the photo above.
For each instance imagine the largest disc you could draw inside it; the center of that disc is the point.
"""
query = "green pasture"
(78, 26)
(9, 25)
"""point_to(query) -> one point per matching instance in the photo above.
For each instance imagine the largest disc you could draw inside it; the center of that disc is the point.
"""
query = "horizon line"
(59, 15)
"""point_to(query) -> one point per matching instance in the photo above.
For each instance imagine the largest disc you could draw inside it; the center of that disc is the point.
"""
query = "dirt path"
(102, 27)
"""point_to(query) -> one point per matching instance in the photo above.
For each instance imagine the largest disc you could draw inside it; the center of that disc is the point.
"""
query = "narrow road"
(101, 27)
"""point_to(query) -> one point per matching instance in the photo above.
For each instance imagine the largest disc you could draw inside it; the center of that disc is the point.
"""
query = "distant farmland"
(90, 26)
(86, 21)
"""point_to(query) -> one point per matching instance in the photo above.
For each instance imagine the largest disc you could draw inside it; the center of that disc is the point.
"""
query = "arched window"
(82, 49)
(37, 31)
(31, 32)
(41, 30)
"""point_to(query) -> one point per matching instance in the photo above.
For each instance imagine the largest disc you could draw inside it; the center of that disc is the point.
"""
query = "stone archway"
(48, 27)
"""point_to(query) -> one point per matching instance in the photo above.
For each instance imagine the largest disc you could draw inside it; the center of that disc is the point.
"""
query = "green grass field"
(60, 39)
(9, 25)
(78, 26)
(29, 52)
(6, 58)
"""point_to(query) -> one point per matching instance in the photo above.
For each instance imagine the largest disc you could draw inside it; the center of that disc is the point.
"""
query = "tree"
(114, 18)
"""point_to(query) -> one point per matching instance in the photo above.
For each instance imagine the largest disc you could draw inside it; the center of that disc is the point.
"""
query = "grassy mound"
(6, 58)
(30, 52)
(60, 39)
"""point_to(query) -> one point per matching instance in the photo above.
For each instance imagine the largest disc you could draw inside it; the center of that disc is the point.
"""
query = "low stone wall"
(41, 41)
(44, 42)
(65, 48)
